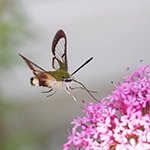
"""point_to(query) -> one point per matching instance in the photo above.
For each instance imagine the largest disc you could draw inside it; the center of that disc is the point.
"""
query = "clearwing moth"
(60, 78)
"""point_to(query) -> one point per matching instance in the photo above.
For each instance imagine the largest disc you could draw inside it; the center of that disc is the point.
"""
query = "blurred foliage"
(21, 139)
(16, 138)
(12, 30)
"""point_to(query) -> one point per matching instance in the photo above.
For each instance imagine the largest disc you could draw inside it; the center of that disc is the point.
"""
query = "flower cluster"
(123, 123)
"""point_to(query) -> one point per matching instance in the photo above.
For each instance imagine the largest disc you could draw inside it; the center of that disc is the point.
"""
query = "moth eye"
(67, 80)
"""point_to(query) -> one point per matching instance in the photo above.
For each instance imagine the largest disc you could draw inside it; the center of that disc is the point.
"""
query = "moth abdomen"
(34, 81)
(31, 80)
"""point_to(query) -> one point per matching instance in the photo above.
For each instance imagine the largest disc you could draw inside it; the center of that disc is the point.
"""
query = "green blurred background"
(115, 33)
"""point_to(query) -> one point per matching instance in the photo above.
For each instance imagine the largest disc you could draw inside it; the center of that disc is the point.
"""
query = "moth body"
(60, 78)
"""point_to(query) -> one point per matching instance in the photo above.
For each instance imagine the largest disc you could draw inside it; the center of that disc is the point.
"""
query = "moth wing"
(35, 68)
(59, 51)
(42, 77)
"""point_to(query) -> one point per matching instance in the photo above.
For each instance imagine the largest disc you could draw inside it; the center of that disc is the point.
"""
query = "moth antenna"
(86, 89)
(82, 65)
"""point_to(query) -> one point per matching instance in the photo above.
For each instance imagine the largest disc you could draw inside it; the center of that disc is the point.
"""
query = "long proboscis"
(86, 89)
(82, 65)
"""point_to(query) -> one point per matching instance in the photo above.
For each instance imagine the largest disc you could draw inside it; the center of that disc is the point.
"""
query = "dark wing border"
(35, 68)
(60, 55)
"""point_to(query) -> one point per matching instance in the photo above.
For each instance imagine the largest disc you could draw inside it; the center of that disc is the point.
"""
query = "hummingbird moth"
(60, 78)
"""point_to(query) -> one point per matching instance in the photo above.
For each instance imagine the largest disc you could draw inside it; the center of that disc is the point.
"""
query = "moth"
(60, 78)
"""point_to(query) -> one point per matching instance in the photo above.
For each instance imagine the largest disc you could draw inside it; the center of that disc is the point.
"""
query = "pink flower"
(123, 123)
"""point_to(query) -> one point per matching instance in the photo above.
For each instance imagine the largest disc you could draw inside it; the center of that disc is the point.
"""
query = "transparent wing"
(35, 68)
(59, 51)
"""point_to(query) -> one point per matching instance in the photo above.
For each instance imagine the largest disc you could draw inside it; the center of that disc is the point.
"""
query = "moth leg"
(69, 92)
(47, 91)
(52, 93)
(83, 89)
